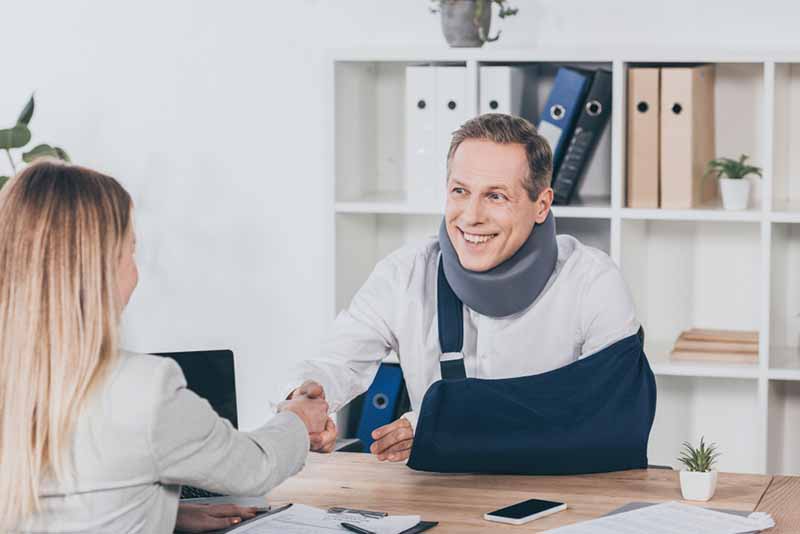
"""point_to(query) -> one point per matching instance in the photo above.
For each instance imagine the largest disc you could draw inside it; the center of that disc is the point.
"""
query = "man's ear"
(543, 204)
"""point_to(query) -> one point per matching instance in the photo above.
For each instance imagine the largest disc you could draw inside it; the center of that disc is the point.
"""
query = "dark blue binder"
(561, 111)
(589, 127)
(380, 402)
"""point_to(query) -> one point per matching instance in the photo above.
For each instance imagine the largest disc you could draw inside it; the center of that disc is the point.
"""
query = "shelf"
(587, 208)
(785, 211)
(784, 363)
(669, 54)
(658, 355)
(701, 214)
(387, 203)
(396, 203)
(783, 437)
(691, 407)
(703, 267)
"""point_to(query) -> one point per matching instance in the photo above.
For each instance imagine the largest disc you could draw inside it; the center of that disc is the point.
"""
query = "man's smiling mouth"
(476, 239)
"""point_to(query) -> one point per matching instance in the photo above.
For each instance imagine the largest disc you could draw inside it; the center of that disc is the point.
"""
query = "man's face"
(489, 214)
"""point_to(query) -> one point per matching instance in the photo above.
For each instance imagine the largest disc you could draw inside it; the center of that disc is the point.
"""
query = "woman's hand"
(203, 517)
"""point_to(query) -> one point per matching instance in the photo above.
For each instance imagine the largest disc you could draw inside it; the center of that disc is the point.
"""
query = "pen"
(358, 530)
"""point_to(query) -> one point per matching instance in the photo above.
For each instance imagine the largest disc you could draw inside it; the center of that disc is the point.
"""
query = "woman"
(94, 439)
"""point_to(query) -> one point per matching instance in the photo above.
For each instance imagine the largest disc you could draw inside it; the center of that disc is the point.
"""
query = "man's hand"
(393, 441)
(203, 517)
(313, 412)
(309, 389)
(324, 441)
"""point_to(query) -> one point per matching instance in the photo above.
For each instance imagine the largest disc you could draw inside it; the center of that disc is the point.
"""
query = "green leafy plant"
(19, 135)
(731, 168)
(701, 459)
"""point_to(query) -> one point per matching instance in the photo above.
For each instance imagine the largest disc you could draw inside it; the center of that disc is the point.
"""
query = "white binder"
(421, 157)
(509, 90)
(451, 113)
(436, 106)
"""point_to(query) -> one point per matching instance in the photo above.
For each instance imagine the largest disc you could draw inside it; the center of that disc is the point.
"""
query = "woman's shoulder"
(139, 382)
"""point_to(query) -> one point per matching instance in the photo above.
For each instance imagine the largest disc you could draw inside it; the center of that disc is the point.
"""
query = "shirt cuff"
(411, 417)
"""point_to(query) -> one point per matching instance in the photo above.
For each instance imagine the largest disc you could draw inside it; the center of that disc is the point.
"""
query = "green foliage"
(701, 459)
(19, 135)
(15, 137)
(27, 112)
(731, 168)
(44, 151)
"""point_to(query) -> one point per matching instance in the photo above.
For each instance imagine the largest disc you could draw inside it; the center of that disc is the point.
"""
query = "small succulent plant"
(19, 135)
(731, 168)
(701, 459)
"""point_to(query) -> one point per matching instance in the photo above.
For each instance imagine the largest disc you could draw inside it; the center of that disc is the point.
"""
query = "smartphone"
(522, 512)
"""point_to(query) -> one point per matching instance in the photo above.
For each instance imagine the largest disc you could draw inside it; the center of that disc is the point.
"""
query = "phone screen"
(525, 508)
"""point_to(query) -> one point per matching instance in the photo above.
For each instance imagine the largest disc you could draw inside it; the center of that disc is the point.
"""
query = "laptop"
(210, 374)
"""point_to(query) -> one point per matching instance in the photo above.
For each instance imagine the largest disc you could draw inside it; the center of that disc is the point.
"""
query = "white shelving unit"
(685, 268)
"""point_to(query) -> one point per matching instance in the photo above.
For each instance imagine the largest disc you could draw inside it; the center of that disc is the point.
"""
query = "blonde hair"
(62, 228)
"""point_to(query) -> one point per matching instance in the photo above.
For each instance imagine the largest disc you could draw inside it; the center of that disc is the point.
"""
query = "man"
(532, 302)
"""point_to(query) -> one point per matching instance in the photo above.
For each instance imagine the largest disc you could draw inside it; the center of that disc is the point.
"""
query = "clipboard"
(422, 526)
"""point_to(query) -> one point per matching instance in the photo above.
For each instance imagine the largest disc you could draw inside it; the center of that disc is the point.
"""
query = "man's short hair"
(504, 129)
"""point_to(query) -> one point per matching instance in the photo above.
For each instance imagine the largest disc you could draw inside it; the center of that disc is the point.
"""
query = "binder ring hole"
(421, 104)
(642, 107)
(493, 104)
(451, 104)
(380, 401)
(677, 108)
(594, 108)
(557, 112)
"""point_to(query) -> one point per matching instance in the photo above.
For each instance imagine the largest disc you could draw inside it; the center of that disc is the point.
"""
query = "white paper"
(670, 518)
(302, 519)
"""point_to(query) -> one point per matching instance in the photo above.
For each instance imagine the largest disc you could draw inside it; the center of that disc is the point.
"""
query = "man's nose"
(473, 211)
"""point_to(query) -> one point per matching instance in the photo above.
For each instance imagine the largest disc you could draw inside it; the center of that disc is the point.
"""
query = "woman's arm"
(190, 444)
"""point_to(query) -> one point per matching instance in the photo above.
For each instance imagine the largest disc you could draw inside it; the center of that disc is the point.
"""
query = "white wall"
(213, 115)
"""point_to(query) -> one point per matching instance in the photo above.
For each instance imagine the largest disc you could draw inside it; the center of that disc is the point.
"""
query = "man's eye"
(458, 190)
(497, 196)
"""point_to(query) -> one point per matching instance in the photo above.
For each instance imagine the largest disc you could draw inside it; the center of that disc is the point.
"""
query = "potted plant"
(19, 135)
(465, 23)
(698, 479)
(733, 185)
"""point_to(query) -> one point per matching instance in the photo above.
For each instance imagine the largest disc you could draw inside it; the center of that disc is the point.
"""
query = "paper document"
(670, 518)
(302, 519)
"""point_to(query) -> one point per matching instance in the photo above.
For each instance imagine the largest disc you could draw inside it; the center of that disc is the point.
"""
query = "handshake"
(309, 404)
(392, 442)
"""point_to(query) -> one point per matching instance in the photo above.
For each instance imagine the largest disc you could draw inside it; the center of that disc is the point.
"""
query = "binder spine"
(561, 111)
(381, 402)
(588, 129)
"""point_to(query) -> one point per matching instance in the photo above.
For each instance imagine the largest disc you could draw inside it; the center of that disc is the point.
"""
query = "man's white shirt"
(585, 307)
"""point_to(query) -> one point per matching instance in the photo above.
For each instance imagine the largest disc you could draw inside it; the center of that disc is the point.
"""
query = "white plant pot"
(698, 486)
(735, 193)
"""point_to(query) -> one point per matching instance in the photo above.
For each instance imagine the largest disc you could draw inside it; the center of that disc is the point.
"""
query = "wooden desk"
(458, 502)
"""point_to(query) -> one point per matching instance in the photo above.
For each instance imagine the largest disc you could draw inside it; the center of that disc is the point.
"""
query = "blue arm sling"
(591, 416)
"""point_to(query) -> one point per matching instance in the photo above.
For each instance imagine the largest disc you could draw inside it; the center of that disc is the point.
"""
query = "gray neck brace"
(511, 286)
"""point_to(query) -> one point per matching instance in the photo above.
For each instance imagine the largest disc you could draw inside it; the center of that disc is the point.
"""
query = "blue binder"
(561, 111)
(589, 127)
(380, 402)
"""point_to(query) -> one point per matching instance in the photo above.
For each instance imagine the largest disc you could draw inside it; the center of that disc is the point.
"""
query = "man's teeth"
(477, 239)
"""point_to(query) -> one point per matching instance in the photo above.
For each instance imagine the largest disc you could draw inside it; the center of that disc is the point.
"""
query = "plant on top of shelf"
(465, 23)
(699, 479)
(731, 173)
(19, 135)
